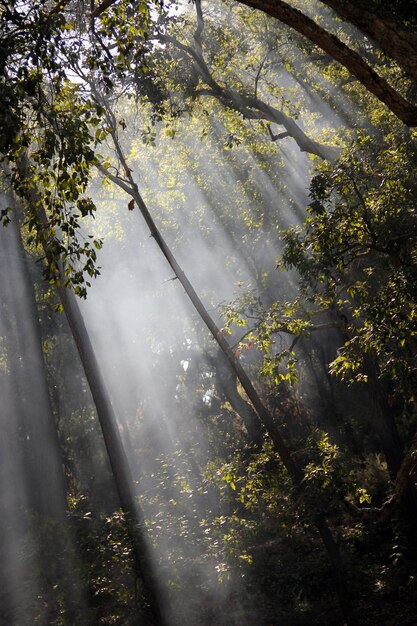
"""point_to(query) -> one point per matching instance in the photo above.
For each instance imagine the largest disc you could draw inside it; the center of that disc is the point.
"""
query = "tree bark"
(399, 44)
(294, 471)
(375, 84)
(134, 517)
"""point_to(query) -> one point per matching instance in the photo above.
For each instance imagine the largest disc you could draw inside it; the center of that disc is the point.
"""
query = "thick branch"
(399, 44)
(102, 7)
(375, 84)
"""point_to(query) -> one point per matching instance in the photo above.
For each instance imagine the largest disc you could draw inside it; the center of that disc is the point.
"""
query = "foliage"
(356, 256)
(330, 344)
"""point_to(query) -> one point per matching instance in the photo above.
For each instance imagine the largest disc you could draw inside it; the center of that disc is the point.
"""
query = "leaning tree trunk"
(398, 43)
(134, 517)
(295, 472)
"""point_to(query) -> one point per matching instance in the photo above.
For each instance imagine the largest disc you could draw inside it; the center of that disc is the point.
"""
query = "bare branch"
(258, 74)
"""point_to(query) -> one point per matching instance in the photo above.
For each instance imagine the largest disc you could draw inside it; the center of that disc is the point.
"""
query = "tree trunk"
(134, 517)
(390, 442)
(226, 383)
(295, 472)
(41, 447)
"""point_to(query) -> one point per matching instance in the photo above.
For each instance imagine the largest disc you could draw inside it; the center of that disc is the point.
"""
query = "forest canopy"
(208, 327)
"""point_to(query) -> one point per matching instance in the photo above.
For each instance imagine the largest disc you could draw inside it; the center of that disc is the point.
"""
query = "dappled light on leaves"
(208, 322)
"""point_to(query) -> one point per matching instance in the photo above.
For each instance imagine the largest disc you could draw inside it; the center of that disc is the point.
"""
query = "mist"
(221, 193)
(155, 354)
(32, 481)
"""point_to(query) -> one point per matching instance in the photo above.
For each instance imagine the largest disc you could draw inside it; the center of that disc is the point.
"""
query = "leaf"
(131, 205)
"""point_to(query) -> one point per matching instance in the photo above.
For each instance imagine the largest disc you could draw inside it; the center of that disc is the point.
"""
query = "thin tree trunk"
(294, 471)
(338, 567)
(226, 383)
(134, 517)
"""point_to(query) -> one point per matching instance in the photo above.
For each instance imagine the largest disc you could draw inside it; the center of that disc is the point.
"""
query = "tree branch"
(200, 27)
(115, 179)
(250, 107)
(277, 137)
(398, 43)
(258, 74)
(101, 7)
(375, 84)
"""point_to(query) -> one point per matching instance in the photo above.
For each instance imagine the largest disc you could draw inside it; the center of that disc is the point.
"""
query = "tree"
(400, 46)
(134, 518)
(294, 470)
(355, 257)
(346, 228)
